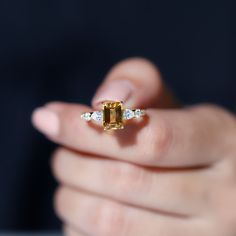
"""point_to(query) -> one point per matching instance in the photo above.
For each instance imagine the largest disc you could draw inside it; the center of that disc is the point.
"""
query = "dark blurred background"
(62, 49)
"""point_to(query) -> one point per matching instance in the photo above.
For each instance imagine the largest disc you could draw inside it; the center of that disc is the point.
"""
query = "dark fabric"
(61, 50)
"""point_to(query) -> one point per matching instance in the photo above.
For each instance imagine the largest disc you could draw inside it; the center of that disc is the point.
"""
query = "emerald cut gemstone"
(112, 115)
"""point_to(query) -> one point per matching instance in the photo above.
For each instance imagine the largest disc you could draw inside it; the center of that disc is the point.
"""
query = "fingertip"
(46, 121)
(115, 90)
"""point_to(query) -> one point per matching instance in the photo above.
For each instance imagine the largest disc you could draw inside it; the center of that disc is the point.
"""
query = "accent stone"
(128, 114)
(86, 116)
(138, 113)
(97, 115)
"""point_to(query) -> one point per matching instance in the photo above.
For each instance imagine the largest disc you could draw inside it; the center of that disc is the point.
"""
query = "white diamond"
(86, 116)
(128, 114)
(97, 115)
(138, 113)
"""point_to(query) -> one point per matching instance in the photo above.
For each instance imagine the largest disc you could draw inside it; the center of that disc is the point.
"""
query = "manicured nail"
(46, 121)
(116, 90)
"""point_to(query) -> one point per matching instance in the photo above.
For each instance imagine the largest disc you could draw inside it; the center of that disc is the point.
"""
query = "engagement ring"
(113, 115)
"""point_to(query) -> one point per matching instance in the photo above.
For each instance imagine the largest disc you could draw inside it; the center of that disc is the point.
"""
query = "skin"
(173, 173)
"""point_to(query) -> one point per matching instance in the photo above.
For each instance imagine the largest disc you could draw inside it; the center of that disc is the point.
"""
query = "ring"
(113, 115)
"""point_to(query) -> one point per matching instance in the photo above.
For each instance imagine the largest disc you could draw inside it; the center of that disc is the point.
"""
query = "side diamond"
(128, 114)
(138, 113)
(86, 116)
(97, 115)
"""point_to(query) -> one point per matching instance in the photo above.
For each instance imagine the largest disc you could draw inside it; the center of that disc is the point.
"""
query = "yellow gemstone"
(112, 115)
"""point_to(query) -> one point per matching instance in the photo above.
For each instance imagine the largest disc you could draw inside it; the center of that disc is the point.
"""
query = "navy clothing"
(61, 50)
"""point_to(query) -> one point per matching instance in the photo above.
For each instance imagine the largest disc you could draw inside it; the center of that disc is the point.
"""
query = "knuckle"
(57, 162)
(57, 154)
(158, 139)
(186, 188)
(59, 201)
(128, 178)
(194, 188)
(109, 219)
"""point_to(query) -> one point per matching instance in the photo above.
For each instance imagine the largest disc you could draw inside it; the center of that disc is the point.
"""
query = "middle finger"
(174, 192)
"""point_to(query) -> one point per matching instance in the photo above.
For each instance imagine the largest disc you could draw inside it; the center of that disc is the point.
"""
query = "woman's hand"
(174, 174)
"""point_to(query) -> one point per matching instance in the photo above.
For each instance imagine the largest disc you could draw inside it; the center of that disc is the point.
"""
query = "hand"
(174, 175)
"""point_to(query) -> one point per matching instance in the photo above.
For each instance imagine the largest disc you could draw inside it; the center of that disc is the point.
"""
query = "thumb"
(137, 82)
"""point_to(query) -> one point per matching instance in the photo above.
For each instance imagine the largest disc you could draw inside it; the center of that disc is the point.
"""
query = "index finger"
(170, 138)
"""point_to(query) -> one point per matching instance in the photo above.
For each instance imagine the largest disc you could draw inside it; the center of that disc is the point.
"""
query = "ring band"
(113, 115)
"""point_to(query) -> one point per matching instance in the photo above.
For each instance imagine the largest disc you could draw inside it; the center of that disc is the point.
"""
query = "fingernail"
(116, 90)
(46, 121)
